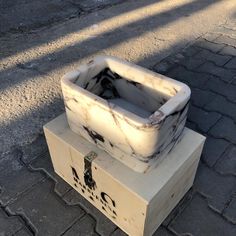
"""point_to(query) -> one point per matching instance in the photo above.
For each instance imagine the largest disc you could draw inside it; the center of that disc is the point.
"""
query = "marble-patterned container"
(134, 114)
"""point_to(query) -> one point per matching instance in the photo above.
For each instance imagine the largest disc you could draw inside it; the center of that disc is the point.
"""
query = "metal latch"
(88, 178)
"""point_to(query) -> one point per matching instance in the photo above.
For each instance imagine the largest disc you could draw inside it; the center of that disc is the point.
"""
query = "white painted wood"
(117, 109)
(137, 202)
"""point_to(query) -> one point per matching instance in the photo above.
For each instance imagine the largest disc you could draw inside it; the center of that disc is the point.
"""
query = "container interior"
(132, 96)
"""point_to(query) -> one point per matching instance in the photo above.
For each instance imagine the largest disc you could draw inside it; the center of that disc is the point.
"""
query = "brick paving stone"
(198, 220)
(84, 226)
(34, 149)
(221, 105)
(230, 211)
(201, 97)
(227, 31)
(161, 231)
(224, 39)
(191, 125)
(234, 81)
(48, 213)
(170, 62)
(23, 232)
(118, 232)
(104, 225)
(43, 163)
(9, 224)
(213, 149)
(223, 88)
(189, 77)
(230, 25)
(213, 47)
(190, 51)
(15, 178)
(204, 120)
(179, 208)
(211, 36)
(227, 163)
(191, 62)
(163, 66)
(225, 128)
(231, 64)
(219, 60)
(176, 58)
(217, 188)
(228, 50)
(224, 74)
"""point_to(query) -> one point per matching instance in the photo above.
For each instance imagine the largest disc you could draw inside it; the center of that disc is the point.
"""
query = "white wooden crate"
(138, 203)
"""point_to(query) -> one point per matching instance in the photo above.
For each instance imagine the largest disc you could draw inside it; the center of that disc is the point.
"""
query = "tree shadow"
(95, 10)
(104, 41)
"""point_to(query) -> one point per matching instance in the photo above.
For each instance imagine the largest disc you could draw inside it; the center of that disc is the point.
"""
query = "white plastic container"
(134, 114)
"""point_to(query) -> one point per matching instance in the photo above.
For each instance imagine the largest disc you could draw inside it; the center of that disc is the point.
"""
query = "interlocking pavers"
(43, 163)
(204, 119)
(211, 46)
(227, 30)
(191, 63)
(34, 149)
(191, 51)
(221, 87)
(84, 226)
(118, 232)
(222, 105)
(9, 225)
(227, 163)
(201, 97)
(228, 50)
(47, 213)
(230, 25)
(217, 188)
(23, 232)
(104, 226)
(225, 128)
(230, 211)
(192, 126)
(211, 68)
(15, 178)
(163, 67)
(218, 59)
(231, 64)
(161, 231)
(179, 208)
(213, 150)
(224, 39)
(198, 220)
(211, 36)
(191, 78)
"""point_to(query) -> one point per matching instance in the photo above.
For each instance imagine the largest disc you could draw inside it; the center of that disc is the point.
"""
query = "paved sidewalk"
(35, 201)
(209, 67)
